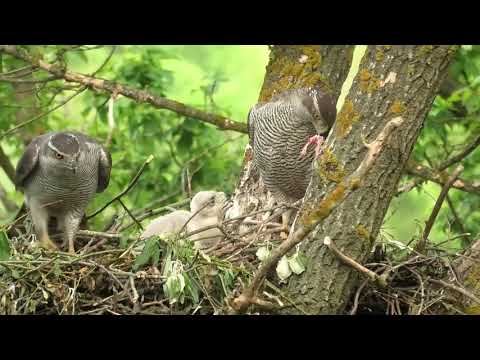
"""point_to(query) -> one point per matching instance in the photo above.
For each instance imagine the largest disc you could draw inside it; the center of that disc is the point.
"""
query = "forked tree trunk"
(392, 81)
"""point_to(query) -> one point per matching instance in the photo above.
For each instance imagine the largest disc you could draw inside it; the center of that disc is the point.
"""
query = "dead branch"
(380, 280)
(126, 190)
(138, 95)
(438, 204)
(440, 177)
(457, 158)
(7, 166)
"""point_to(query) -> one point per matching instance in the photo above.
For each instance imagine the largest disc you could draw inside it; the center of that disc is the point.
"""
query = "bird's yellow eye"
(59, 156)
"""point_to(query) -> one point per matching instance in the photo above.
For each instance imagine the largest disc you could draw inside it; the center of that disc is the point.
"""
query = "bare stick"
(90, 233)
(130, 214)
(111, 121)
(7, 166)
(380, 280)
(438, 204)
(333, 199)
(357, 297)
(427, 173)
(127, 189)
(456, 288)
(219, 121)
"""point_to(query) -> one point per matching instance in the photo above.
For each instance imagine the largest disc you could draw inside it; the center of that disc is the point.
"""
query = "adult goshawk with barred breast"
(60, 172)
(280, 132)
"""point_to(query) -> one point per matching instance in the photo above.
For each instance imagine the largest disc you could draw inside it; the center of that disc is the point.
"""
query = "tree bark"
(392, 81)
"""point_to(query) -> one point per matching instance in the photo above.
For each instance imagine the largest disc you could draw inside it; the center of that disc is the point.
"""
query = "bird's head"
(62, 153)
(321, 107)
(208, 203)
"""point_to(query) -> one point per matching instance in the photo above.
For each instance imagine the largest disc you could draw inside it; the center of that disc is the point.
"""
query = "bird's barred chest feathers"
(66, 190)
(277, 143)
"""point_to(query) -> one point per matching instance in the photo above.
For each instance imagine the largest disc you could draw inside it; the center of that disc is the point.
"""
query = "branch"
(457, 158)
(438, 204)
(129, 92)
(439, 177)
(456, 288)
(331, 201)
(380, 280)
(127, 189)
(7, 166)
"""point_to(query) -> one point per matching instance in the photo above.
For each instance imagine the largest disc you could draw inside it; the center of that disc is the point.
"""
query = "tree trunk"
(392, 81)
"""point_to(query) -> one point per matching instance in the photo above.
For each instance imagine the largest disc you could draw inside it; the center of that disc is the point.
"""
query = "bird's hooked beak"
(73, 164)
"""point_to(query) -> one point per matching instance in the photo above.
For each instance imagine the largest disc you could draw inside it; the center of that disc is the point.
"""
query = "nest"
(113, 273)
(416, 284)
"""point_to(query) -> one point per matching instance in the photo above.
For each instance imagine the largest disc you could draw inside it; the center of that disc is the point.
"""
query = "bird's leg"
(40, 222)
(317, 140)
(285, 221)
(71, 223)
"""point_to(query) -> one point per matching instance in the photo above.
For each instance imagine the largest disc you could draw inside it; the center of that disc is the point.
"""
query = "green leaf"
(4, 246)
(150, 254)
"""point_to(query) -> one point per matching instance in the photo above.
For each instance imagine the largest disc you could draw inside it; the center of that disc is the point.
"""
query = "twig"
(153, 212)
(380, 280)
(438, 204)
(130, 214)
(127, 189)
(105, 62)
(357, 297)
(457, 218)
(111, 121)
(457, 158)
(90, 233)
(456, 288)
(28, 81)
(7, 166)
(439, 177)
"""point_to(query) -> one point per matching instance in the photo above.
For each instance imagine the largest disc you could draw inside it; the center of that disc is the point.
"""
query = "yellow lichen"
(473, 278)
(397, 108)
(355, 183)
(410, 70)
(362, 232)
(472, 310)
(424, 50)
(387, 47)
(368, 83)
(379, 55)
(329, 168)
(325, 207)
(346, 118)
(288, 72)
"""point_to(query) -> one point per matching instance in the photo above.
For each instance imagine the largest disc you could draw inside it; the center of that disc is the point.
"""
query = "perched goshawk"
(206, 209)
(60, 172)
(280, 131)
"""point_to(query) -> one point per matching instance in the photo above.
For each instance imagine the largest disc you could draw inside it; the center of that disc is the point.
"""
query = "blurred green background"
(227, 80)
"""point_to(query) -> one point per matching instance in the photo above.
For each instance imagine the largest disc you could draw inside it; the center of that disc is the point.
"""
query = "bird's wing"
(29, 160)
(104, 161)
(250, 126)
(104, 168)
